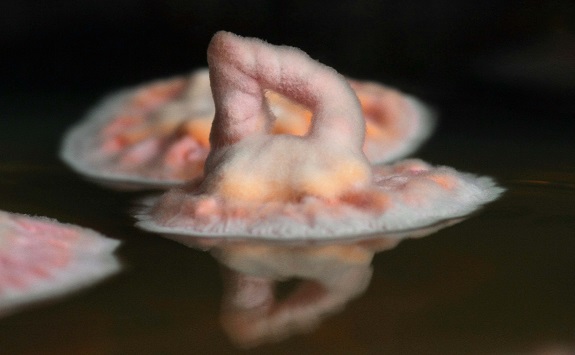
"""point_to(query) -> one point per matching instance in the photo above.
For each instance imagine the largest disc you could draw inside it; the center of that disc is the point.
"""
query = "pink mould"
(157, 134)
(152, 135)
(41, 258)
(325, 278)
(318, 185)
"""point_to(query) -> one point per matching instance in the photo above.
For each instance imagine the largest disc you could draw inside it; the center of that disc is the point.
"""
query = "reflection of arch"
(251, 311)
(331, 274)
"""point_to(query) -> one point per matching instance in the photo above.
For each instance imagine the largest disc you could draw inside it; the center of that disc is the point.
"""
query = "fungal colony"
(158, 134)
(266, 143)
(316, 185)
(41, 258)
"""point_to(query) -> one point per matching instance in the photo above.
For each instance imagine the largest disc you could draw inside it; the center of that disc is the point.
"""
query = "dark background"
(73, 45)
(495, 71)
(474, 54)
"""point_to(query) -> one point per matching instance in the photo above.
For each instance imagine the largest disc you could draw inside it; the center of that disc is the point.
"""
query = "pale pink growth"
(121, 123)
(241, 70)
(181, 151)
(141, 135)
(319, 185)
(140, 152)
(396, 123)
(41, 258)
(399, 199)
(181, 109)
(327, 162)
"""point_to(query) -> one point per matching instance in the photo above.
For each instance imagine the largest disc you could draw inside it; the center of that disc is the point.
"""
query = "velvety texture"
(157, 134)
(319, 185)
(42, 258)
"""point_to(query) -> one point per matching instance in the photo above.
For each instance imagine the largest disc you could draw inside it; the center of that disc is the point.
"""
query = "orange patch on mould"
(158, 93)
(185, 158)
(291, 118)
(373, 130)
(367, 200)
(384, 110)
(446, 181)
(333, 183)
(206, 207)
(199, 129)
(122, 122)
(239, 212)
(138, 134)
(249, 188)
(293, 126)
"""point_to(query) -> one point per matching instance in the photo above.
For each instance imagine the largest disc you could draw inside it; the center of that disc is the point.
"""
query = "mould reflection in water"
(329, 275)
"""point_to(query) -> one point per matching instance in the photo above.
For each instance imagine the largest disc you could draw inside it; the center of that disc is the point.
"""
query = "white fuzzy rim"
(422, 119)
(80, 147)
(90, 259)
(416, 200)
